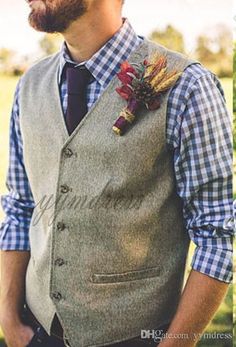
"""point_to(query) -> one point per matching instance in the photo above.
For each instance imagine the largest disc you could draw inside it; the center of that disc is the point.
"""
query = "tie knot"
(77, 79)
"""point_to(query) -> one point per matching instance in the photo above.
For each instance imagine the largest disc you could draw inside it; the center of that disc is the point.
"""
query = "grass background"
(223, 320)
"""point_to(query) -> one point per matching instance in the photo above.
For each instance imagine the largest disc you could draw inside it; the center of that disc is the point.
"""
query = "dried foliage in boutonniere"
(143, 84)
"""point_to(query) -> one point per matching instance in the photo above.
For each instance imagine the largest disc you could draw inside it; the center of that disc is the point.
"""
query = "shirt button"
(57, 296)
(68, 152)
(61, 226)
(59, 262)
(65, 189)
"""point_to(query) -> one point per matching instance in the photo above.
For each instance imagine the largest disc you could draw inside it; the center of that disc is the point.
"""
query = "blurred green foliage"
(214, 51)
(169, 37)
(50, 43)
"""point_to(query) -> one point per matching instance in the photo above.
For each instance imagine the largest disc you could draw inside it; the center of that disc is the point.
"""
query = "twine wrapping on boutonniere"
(143, 84)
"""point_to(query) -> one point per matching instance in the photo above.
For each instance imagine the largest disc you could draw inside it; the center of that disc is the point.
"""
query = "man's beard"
(55, 16)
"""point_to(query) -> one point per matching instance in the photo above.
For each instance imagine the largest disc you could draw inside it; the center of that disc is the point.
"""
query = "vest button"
(61, 226)
(57, 296)
(68, 152)
(65, 189)
(59, 262)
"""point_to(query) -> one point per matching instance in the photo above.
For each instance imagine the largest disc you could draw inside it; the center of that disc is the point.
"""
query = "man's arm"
(18, 206)
(200, 300)
(202, 141)
(13, 269)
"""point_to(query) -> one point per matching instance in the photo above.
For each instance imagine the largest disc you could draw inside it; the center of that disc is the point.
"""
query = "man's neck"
(90, 32)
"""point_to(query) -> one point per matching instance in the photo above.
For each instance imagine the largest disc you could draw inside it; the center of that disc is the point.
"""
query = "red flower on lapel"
(143, 85)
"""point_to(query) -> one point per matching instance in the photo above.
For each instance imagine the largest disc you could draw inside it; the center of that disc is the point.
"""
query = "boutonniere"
(143, 85)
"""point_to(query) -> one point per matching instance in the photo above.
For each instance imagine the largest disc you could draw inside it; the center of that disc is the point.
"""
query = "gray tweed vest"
(108, 243)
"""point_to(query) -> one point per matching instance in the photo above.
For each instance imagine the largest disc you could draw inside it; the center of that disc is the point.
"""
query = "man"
(98, 274)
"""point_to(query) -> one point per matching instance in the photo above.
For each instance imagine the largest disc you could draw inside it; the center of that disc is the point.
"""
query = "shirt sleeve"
(201, 135)
(18, 204)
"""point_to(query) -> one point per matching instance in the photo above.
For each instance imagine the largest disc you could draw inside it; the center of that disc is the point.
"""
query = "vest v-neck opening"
(139, 52)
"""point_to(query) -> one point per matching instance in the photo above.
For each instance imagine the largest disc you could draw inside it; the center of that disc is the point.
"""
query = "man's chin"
(42, 24)
(54, 19)
(38, 18)
(38, 11)
(36, 22)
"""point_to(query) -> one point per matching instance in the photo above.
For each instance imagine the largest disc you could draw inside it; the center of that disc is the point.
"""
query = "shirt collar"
(105, 63)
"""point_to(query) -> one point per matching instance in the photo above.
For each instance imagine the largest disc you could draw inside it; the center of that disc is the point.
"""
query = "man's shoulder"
(197, 78)
(196, 82)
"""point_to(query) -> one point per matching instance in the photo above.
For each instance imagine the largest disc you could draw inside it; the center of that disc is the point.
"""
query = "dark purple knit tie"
(77, 82)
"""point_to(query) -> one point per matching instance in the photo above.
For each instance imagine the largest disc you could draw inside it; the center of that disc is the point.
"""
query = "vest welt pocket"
(125, 276)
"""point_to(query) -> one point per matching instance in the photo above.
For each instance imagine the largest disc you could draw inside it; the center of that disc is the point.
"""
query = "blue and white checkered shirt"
(199, 134)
